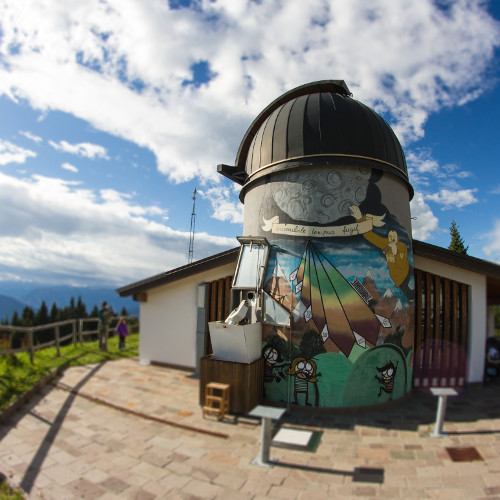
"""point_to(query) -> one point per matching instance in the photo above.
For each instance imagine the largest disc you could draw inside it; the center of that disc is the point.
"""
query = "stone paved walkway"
(74, 440)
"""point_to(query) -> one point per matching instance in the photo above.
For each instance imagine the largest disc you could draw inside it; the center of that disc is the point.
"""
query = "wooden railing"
(30, 343)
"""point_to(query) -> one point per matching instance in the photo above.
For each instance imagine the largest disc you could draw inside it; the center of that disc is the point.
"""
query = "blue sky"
(113, 111)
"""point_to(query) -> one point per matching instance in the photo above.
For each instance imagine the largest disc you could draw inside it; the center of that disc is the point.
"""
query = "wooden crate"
(246, 381)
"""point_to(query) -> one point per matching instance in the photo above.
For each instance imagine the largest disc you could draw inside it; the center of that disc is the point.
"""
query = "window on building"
(251, 264)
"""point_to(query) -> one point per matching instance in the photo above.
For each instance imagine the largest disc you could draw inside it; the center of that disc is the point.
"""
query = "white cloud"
(453, 170)
(87, 236)
(492, 249)
(425, 170)
(424, 223)
(85, 149)
(11, 153)
(426, 175)
(30, 136)
(68, 166)
(421, 162)
(453, 199)
(123, 64)
(225, 206)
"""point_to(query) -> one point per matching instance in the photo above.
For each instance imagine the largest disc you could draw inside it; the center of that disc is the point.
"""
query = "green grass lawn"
(7, 493)
(18, 375)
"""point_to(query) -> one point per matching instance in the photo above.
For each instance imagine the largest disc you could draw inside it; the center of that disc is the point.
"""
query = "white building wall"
(168, 319)
(477, 310)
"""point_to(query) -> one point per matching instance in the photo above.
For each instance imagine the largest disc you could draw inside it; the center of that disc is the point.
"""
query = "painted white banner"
(361, 227)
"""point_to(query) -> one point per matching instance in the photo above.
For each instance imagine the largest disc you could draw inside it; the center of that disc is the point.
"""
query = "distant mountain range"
(15, 296)
(8, 305)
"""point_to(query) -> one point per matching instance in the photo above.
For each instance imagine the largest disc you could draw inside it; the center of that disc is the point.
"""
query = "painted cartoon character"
(388, 373)
(395, 251)
(271, 358)
(304, 371)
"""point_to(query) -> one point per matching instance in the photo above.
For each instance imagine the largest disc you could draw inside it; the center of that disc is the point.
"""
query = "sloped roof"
(179, 273)
(467, 262)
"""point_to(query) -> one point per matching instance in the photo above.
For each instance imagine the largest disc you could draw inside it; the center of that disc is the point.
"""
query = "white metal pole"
(441, 410)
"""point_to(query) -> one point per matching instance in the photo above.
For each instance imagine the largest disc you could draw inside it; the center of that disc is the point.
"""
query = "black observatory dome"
(314, 124)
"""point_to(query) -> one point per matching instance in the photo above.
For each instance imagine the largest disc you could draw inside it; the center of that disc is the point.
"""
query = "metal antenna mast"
(191, 230)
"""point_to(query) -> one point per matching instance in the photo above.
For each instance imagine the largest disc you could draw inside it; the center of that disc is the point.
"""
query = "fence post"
(80, 331)
(57, 340)
(73, 331)
(30, 344)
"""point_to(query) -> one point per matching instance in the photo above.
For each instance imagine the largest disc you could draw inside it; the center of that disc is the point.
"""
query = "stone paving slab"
(79, 439)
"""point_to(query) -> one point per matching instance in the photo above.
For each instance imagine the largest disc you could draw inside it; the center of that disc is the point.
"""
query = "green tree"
(42, 315)
(71, 309)
(28, 316)
(457, 243)
(15, 320)
(123, 312)
(54, 313)
(81, 309)
(42, 318)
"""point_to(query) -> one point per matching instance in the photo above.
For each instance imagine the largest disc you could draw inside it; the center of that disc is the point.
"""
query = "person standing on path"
(122, 330)
(105, 315)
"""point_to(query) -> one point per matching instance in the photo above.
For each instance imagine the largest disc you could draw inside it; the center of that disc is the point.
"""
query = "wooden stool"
(216, 399)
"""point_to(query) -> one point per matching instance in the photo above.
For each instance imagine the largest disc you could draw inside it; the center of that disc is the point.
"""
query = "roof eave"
(199, 266)
(452, 258)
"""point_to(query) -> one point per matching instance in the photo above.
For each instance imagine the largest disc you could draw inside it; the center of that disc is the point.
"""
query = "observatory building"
(325, 188)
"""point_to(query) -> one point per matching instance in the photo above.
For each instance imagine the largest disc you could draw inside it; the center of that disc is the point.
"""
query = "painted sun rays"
(335, 308)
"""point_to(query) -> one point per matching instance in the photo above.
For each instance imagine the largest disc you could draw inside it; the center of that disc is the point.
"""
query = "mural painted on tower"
(341, 266)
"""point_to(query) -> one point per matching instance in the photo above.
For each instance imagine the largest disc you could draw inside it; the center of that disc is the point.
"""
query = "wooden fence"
(30, 343)
(441, 331)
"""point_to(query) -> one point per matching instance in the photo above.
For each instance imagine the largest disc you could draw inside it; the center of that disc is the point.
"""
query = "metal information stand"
(442, 393)
(266, 414)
